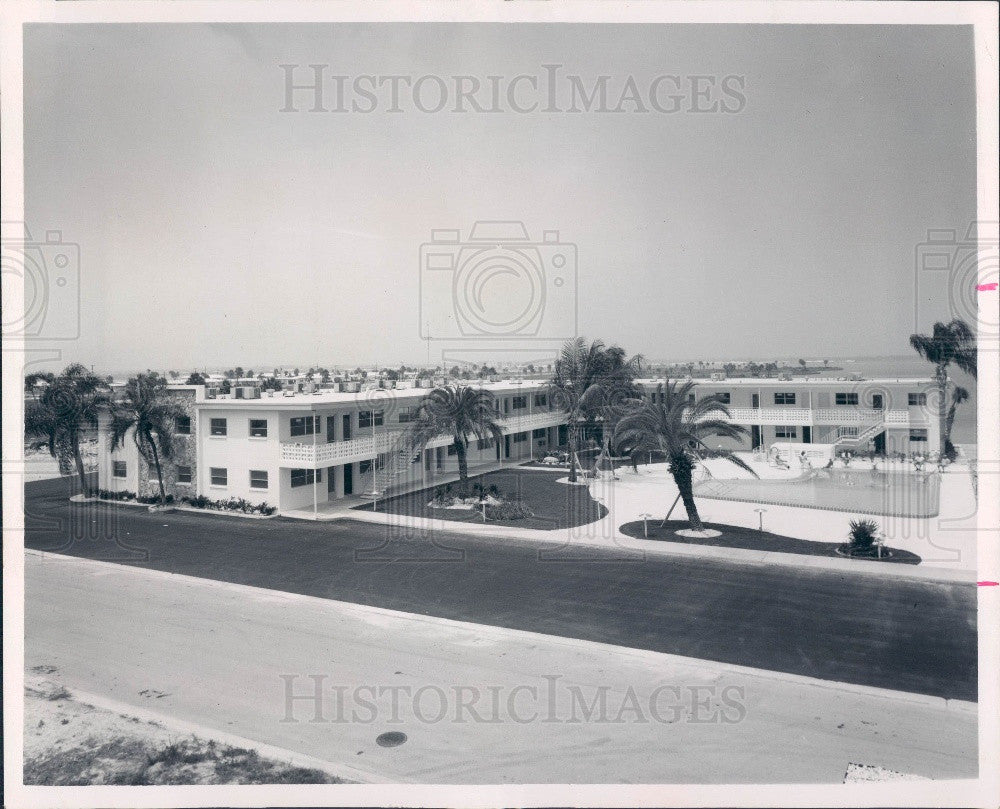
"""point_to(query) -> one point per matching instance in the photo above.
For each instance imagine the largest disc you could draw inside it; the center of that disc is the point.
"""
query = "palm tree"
(958, 395)
(587, 380)
(148, 415)
(62, 412)
(948, 343)
(460, 411)
(676, 426)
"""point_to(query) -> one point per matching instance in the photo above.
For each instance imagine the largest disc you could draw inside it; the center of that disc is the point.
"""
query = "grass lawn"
(734, 536)
(554, 505)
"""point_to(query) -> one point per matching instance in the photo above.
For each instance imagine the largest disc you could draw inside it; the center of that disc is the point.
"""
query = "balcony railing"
(823, 416)
(306, 455)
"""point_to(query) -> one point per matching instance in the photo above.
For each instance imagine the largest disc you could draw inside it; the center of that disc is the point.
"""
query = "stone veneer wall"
(185, 453)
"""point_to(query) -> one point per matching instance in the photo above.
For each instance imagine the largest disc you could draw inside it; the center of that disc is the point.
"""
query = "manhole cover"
(391, 739)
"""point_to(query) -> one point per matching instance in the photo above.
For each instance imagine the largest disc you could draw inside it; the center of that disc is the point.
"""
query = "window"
(183, 474)
(724, 397)
(519, 402)
(218, 427)
(306, 477)
(541, 400)
(484, 443)
(690, 398)
(183, 425)
(916, 400)
(304, 425)
(520, 438)
(219, 476)
(918, 435)
(845, 398)
(258, 478)
(784, 431)
(368, 419)
(784, 398)
(452, 450)
(364, 467)
(118, 469)
(539, 433)
(258, 428)
(407, 414)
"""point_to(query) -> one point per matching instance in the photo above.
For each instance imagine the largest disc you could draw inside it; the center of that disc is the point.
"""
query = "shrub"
(508, 510)
(107, 494)
(862, 534)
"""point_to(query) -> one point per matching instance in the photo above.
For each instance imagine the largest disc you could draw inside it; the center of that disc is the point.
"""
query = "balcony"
(823, 416)
(306, 455)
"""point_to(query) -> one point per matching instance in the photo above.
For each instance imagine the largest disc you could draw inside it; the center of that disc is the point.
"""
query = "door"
(807, 435)
(331, 480)
(877, 402)
(755, 400)
(755, 435)
(349, 478)
(880, 443)
(347, 426)
(331, 428)
(506, 446)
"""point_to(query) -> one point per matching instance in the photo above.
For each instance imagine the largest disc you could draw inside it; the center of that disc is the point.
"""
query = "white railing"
(825, 416)
(308, 455)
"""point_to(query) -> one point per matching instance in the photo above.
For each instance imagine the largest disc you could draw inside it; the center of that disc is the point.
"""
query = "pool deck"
(946, 543)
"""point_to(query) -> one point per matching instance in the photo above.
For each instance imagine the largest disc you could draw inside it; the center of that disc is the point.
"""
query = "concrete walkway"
(248, 662)
(946, 543)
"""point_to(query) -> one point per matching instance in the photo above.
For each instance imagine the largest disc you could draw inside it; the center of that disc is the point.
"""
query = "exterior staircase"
(846, 439)
(387, 467)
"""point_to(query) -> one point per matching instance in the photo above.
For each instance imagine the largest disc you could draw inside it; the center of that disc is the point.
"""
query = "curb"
(503, 633)
(622, 543)
(270, 751)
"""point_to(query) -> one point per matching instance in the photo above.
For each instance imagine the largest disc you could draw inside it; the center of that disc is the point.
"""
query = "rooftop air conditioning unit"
(246, 392)
(718, 376)
(785, 377)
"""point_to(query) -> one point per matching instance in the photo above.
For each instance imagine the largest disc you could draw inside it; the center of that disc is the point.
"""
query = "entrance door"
(755, 436)
(877, 402)
(331, 429)
(331, 480)
(348, 476)
(506, 446)
(880, 443)
(755, 400)
(347, 426)
(807, 435)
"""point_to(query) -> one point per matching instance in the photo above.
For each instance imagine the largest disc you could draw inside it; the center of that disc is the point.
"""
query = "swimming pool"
(861, 491)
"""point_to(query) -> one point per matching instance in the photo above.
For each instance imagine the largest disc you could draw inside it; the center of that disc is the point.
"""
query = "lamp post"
(645, 525)
(760, 515)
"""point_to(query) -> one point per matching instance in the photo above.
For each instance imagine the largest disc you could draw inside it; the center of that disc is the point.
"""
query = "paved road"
(215, 655)
(907, 635)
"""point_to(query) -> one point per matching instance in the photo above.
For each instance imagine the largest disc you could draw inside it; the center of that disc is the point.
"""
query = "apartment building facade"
(304, 450)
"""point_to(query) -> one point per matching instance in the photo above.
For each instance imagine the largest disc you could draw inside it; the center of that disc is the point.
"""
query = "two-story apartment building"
(302, 450)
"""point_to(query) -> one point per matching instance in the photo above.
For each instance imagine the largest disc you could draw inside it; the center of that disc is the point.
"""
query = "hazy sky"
(215, 229)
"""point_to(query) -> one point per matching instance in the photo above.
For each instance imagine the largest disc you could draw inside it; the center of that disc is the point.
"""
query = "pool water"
(862, 491)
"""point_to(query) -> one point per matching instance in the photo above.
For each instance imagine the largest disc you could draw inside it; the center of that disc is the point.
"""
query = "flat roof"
(374, 398)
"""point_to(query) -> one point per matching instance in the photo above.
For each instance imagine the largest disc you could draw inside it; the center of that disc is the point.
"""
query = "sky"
(216, 229)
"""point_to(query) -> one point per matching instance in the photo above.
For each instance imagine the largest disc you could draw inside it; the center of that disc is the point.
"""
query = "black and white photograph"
(505, 403)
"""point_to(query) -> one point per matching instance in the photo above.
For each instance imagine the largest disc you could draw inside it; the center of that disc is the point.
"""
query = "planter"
(867, 555)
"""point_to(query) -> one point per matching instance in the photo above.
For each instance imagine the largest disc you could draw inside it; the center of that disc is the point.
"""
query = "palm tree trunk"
(463, 468)
(681, 473)
(80, 471)
(942, 380)
(159, 470)
(573, 439)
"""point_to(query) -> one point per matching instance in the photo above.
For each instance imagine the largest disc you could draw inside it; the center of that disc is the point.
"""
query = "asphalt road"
(477, 704)
(900, 634)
